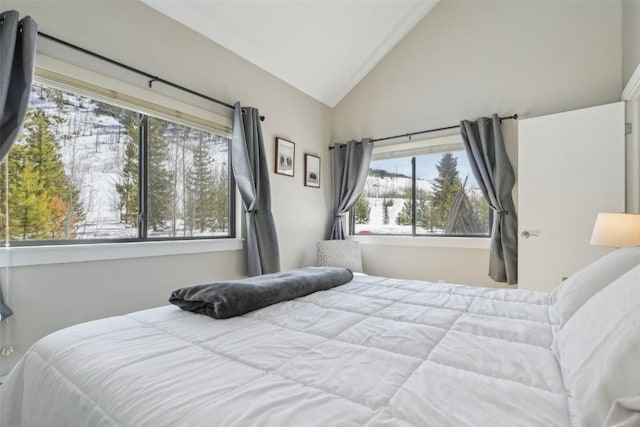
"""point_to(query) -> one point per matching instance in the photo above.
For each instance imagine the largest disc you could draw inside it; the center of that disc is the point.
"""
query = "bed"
(373, 352)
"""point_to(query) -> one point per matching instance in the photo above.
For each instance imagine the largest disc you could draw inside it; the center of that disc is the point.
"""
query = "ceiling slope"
(321, 47)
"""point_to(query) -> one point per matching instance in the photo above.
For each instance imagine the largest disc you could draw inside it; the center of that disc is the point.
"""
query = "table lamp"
(616, 230)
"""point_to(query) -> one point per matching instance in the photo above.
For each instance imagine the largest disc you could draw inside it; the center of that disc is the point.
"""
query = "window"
(422, 189)
(87, 170)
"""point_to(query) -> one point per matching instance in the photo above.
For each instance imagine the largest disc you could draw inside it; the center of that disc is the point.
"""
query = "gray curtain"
(492, 169)
(17, 62)
(252, 176)
(350, 167)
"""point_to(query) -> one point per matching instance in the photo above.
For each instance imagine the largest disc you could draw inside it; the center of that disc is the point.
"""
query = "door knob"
(526, 234)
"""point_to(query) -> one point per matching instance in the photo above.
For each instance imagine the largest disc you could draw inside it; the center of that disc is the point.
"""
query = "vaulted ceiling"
(321, 47)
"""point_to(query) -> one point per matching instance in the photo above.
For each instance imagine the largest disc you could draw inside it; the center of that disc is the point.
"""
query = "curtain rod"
(409, 135)
(151, 77)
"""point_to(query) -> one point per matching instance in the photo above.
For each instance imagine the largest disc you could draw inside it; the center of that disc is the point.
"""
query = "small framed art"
(311, 170)
(285, 157)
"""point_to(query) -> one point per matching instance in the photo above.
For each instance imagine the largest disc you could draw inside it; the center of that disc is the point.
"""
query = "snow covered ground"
(376, 218)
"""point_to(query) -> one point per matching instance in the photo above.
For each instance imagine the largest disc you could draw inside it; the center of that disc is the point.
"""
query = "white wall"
(48, 297)
(467, 59)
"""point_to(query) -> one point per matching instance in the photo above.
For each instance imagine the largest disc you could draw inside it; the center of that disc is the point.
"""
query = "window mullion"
(143, 135)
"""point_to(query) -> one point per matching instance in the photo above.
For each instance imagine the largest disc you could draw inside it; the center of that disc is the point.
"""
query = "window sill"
(425, 241)
(59, 254)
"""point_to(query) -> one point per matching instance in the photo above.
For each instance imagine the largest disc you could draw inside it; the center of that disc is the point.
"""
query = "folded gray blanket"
(233, 298)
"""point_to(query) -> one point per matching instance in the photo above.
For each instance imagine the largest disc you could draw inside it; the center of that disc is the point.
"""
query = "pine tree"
(386, 204)
(362, 210)
(200, 184)
(40, 180)
(480, 209)
(42, 150)
(28, 208)
(423, 210)
(160, 185)
(220, 200)
(445, 188)
(404, 216)
(127, 188)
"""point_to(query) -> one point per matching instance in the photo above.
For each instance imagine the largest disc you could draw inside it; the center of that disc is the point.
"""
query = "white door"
(570, 167)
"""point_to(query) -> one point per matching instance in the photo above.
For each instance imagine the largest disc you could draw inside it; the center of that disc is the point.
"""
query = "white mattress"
(373, 352)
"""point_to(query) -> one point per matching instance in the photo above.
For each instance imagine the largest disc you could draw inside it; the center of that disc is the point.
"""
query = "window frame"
(412, 149)
(66, 77)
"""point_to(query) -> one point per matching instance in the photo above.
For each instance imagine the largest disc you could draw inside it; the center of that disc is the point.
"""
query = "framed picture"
(285, 156)
(311, 171)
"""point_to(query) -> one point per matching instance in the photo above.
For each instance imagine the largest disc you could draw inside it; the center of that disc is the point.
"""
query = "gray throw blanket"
(222, 300)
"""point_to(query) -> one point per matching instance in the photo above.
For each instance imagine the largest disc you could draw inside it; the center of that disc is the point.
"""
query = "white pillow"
(625, 413)
(580, 286)
(340, 253)
(599, 351)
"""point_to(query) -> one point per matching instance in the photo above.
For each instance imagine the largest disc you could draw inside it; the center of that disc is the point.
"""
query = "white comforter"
(373, 352)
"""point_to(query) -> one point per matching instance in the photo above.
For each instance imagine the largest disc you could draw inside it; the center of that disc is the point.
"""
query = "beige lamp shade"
(616, 230)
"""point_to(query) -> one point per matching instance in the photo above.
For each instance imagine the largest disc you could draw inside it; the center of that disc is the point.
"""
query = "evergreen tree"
(445, 188)
(160, 185)
(39, 179)
(42, 151)
(480, 209)
(362, 210)
(28, 210)
(404, 216)
(386, 204)
(220, 169)
(200, 184)
(127, 188)
(220, 200)
(423, 210)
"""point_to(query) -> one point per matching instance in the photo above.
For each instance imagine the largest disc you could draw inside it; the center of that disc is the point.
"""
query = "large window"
(83, 169)
(423, 189)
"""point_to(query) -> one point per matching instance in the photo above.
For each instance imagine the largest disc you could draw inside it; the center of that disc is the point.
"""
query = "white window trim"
(60, 254)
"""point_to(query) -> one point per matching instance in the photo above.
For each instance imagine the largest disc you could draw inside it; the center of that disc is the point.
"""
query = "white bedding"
(373, 352)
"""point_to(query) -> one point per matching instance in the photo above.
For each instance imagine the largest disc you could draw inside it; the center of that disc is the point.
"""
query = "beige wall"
(630, 38)
(467, 59)
(46, 298)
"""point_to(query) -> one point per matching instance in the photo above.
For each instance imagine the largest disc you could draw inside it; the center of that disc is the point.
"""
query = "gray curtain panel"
(17, 62)
(252, 176)
(350, 167)
(492, 169)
